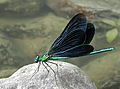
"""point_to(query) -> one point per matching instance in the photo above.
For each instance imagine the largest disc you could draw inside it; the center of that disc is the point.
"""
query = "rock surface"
(68, 76)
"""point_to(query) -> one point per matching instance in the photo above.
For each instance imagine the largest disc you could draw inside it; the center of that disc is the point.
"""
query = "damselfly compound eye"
(36, 59)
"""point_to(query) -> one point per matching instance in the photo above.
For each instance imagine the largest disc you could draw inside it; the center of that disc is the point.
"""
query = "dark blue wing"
(76, 51)
(78, 22)
(89, 33)
(76, 37)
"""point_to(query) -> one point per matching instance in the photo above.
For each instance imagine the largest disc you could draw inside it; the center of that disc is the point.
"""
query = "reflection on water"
(29, 28)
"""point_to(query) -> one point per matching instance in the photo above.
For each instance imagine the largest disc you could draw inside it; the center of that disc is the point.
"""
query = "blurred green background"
(29, 27)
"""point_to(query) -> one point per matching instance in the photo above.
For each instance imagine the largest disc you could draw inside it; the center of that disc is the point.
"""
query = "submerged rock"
(67, 76)
(20, 7)
(89, 6)
(65, 7)
(5, 46)
(101, 5)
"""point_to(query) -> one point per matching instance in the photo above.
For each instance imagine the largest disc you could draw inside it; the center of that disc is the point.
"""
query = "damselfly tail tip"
(111, 48)
(102, 50)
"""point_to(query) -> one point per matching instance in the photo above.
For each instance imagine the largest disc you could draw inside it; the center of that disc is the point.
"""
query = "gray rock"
(68, 76)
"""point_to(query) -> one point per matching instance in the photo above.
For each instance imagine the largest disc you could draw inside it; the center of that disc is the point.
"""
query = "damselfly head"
(36, 59)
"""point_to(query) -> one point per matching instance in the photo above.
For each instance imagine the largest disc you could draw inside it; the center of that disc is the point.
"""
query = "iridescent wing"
(76, 51)
(89, 33)
(78, 22)
(73, 34)
(74, 40)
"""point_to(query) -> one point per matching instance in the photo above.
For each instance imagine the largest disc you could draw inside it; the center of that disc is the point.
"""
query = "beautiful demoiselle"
(74, 41)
